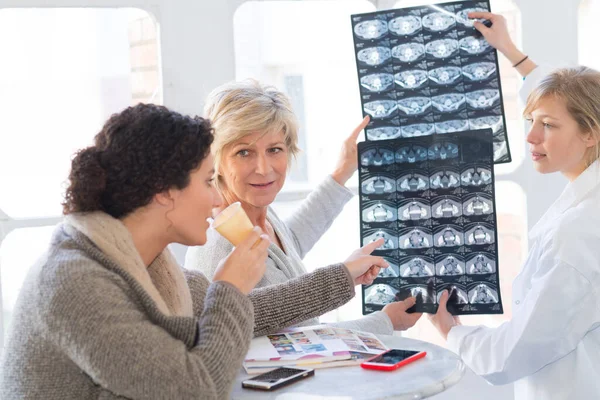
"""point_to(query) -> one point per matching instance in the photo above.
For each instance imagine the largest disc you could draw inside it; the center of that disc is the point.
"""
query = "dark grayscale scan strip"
(426, 70)
(431, 198)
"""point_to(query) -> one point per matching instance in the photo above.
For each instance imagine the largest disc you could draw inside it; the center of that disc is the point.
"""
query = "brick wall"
(144, 57)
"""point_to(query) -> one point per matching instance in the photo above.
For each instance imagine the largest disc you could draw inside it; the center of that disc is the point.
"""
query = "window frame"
(9, 224)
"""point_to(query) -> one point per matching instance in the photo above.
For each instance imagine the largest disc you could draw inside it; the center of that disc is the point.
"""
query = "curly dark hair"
(140, 152)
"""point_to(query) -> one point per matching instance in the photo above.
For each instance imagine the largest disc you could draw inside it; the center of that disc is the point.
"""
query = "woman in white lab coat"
(551, 346)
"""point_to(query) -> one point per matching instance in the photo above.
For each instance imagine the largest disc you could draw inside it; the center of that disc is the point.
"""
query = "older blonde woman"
(256, 135)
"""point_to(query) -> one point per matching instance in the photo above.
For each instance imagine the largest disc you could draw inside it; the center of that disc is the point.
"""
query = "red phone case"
(402, 363)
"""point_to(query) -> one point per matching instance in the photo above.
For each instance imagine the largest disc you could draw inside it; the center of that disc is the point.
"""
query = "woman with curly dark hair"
(107, 312)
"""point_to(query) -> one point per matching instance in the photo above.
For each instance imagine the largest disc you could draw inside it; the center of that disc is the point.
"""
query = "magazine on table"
(356, 358)
(321, 346)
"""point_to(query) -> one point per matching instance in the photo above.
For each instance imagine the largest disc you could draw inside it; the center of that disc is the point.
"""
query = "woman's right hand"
(364, 267)
(498, 37)
(246, 264)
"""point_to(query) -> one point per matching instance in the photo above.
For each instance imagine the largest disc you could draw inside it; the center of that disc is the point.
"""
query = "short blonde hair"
(238, 109)
(579, 88)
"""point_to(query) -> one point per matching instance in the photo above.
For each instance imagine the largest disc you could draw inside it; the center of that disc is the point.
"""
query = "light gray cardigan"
(297, 235)
(92, 322)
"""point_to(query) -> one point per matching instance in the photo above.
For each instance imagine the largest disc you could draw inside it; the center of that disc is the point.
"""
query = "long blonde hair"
(238, 109)
(579, 88)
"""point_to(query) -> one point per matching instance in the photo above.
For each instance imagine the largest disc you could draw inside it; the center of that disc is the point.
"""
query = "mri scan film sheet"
(426, 70)
(432, 200)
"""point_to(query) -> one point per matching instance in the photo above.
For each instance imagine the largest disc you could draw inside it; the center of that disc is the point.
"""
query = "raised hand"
(348, 159)
(498, 37)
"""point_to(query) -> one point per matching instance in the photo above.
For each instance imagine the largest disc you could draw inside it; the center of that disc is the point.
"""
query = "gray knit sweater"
(92, 322)
(298, 235)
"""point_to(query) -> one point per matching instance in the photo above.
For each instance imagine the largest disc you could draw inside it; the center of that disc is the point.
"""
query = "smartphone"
(392, 359)
(277, 378)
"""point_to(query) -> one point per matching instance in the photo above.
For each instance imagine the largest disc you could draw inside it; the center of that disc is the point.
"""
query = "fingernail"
(265, 236)
(257, 229)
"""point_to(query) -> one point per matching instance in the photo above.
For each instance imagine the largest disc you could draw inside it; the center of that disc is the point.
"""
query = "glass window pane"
(18, 252)
(63, 72)
(305, 48)
(589, 14)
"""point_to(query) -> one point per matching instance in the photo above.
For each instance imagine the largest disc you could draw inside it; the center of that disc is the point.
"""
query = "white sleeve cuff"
(335, 188)
(456, 336)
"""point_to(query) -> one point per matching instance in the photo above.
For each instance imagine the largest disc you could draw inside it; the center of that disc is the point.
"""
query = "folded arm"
(108, 334)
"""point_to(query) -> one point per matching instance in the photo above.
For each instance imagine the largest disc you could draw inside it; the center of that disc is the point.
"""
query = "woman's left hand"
(396, 312)
(348, 160)
(443, 320)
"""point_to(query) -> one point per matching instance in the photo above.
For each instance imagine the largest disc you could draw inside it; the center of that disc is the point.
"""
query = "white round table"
(438, 371)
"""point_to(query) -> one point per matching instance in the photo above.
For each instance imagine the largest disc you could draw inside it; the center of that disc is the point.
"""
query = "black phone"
(277, 378)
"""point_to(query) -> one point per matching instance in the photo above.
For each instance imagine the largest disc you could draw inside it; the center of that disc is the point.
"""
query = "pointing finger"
(354, 136)
(370, 247)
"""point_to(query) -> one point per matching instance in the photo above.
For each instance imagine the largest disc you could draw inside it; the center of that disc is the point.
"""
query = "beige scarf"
(163, 280)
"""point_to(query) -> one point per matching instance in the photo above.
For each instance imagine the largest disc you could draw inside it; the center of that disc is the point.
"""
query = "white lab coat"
(551, 346)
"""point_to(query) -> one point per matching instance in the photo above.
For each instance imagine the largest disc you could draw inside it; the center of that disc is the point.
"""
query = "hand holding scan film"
(399, 315)
(443, 320)
(496, 34)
